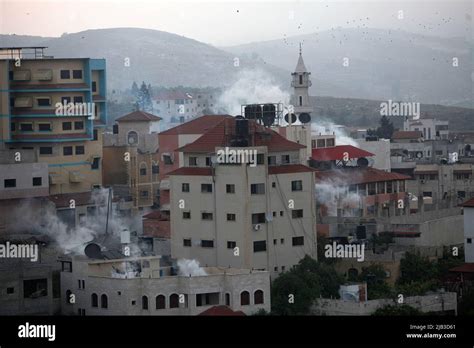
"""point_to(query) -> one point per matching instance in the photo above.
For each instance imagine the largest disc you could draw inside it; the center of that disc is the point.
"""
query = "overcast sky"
(223, 22)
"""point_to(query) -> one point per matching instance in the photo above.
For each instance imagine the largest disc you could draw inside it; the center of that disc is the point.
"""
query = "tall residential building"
(469, 230)
(235, 214)
(68, 140)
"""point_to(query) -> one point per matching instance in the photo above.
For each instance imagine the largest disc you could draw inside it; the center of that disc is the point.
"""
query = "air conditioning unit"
(257, 227)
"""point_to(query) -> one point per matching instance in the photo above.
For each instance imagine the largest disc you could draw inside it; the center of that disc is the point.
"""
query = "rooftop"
(196, 125)
(336, 153)
(222, 134)
(469, 203)
(358, 175)
(221, 311)
(407, 135)
(138, 116)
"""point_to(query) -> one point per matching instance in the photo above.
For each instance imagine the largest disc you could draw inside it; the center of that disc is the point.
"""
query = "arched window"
(94, 300)
(258, 297)
(104, 301)
(68, 296)
(160, 302)
(174, 301)
(144, 302)
(132, 138)
(227, 299)
(244, 298)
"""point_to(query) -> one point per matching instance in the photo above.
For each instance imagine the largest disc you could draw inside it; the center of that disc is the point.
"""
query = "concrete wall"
(469, 234)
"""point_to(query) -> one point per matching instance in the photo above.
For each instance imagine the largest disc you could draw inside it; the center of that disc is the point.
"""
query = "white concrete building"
(431, 128)
(381, 150)
(469, 231)
(144, 286)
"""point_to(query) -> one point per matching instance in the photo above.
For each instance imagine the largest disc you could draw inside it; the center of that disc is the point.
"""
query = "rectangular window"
(144, 194)
(9, 183)
(230, 188)
(67, 125)
(37, 181)
(77, 74)
(186, 215)
(65, 100)
(260, 158)
(193, 161)
(95, 135)
(10, 291)
(372, 187)
(285, 159)
(258, 218)
(94, 86)
(257, 189)
(187, 242)
(321, 143)
(185, 187)
(78, 125)
(297, 185)
(43, 101)
(297, 241)
(389, 187)
(34, 288)
(230, 217)
(26, 127)
(297, 213)
(469, 241)
(46, 150)
(95, 163)
(206, 216)
(207, 243)
(272, 160)
(231, 244)
(65, 74)
(206, 188)
(44, 127)
(12, 127)
(208, 162)
(78, 99)
(329, 142)
(67, 151)
(142, 171)
(260, 245)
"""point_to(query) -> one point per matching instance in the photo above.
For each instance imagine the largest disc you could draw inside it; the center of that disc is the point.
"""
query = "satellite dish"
(304, 117)
(93, 251)
(293, 118)
(363, 162)
(419, 154)
(131, 140)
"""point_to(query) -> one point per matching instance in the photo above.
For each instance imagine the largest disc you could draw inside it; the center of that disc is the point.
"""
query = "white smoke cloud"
(47, 222)
(252, 86)
(190, 268)
(325, 127)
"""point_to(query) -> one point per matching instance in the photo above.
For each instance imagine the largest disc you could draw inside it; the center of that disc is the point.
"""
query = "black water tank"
(293, 118)
(304, 117)
(93, 251)
(242, 128)
(269, 114)
(253, 112)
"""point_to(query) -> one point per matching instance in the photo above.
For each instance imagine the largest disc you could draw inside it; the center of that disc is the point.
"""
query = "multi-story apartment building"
(148, 286)
(131, 159)
(431, 128)
(469, 231)
(68, 138)
(242, 215)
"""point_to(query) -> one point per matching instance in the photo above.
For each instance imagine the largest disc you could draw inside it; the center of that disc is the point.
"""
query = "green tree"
(385, 130)
(374, 275)
(144, 98)
(416, 268)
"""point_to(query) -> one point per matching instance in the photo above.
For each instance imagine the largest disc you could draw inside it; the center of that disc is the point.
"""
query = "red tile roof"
(469, 203)
(199, 171)
(138, 116)
(221, 134)
(357, 175)
(197, 125)
(336, 153)
(221, 311)
(289, 168)
(407, 135)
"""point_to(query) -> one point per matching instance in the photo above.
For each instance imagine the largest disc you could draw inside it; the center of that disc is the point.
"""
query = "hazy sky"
(225, 22)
